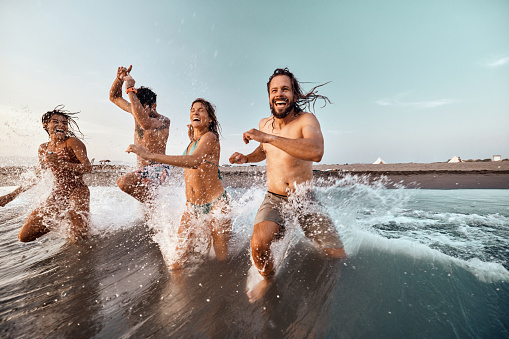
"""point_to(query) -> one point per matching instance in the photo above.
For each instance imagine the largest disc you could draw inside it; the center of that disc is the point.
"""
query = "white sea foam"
(418, 223)
(374, 217)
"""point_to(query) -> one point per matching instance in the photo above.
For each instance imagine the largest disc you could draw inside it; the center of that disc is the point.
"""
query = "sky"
(410, 81)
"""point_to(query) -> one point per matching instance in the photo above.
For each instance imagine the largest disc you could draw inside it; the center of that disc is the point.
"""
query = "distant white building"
(455, 159)
(379, 161)
(497, 158)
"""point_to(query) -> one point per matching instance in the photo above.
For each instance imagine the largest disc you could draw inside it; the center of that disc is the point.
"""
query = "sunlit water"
(422, 263)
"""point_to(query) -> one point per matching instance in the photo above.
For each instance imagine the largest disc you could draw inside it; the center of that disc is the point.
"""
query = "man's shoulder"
(263, 122)
(306, 116)
(165, 121)
(306, 119)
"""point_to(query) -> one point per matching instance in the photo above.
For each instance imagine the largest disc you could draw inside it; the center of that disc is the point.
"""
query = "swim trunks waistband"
(278, 195)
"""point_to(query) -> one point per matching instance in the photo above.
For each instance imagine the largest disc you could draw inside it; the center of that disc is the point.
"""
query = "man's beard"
(283, 114)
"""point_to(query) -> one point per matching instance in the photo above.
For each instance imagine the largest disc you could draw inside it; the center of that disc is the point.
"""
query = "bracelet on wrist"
(131, 89)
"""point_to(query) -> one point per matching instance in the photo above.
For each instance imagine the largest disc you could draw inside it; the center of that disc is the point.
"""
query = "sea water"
(421, 263)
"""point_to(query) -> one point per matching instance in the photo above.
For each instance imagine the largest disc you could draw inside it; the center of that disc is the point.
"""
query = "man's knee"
(127, 182)
(258, 245)
(121, 182)
(263, 235)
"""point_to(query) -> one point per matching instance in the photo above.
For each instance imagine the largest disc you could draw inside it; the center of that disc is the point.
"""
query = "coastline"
(465, 175)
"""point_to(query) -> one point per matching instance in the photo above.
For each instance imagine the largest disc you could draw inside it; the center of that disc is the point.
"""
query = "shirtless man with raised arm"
(290, 140)
(151, 131)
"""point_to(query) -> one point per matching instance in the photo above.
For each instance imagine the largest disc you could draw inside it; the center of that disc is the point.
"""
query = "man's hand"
(238, 158)
(139, 150)
(129, 81)
(256, 135)
(122, 72)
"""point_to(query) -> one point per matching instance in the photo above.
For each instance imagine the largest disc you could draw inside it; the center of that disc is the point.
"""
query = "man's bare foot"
(259, 290)
(176, 267)
(336, 253)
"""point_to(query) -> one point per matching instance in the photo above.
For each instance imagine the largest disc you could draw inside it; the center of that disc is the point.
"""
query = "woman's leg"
(36, 223)
(221, 229)
(184, 237)
(79, 210)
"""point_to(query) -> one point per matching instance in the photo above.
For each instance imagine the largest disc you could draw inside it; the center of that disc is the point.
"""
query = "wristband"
(131, 89)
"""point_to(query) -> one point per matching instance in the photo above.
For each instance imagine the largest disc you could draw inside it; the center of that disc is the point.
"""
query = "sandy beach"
(465, 175)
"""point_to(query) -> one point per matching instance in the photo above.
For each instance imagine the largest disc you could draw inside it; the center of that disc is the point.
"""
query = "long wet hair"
(73, 129)
(214, 126)
(304, 100)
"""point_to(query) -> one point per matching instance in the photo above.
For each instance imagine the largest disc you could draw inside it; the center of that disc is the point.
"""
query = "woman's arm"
(79, 149)
(205, 148)
(7, 198)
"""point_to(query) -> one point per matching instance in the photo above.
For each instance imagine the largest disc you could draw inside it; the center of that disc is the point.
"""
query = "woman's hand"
(51, 159)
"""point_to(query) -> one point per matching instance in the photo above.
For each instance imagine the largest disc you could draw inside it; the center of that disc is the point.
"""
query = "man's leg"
(264, 234)
(131, 184)
(321, 230)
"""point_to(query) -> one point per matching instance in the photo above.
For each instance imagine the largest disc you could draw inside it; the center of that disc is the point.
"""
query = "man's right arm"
(256, 156)
(116, 91)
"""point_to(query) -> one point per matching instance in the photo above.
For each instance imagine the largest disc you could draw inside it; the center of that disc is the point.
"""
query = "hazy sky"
(411, 81)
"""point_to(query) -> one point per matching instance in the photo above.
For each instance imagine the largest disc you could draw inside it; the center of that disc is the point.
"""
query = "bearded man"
(290, 141)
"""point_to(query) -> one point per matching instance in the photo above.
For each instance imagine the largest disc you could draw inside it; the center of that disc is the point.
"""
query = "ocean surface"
(421, 264)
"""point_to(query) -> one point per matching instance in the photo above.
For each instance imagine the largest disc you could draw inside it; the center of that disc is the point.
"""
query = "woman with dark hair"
(205, 193)
(66, 156)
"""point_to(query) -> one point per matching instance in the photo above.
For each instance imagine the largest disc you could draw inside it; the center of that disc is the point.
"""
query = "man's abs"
(283, 182)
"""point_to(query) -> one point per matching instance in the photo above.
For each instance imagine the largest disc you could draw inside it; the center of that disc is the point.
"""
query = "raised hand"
(129, 81)
(122, 72)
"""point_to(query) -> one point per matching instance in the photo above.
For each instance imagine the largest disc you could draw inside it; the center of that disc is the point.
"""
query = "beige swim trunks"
(316, 225)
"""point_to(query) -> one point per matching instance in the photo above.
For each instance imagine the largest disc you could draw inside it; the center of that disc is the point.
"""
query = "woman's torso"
(66, 180)
(203, 184)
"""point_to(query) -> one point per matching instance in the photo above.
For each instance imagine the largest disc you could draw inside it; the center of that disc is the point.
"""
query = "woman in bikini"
(205, 193)
(66, 156)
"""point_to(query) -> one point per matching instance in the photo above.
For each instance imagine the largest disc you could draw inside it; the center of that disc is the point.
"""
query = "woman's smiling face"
(58, 126)
(199, 116)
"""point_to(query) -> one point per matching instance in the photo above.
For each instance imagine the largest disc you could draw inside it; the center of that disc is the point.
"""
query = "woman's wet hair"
(146, 96)
(214, 126)
(304, 100)
(73, 128)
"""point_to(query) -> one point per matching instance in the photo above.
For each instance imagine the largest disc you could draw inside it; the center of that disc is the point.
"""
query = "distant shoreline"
(466, 175)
